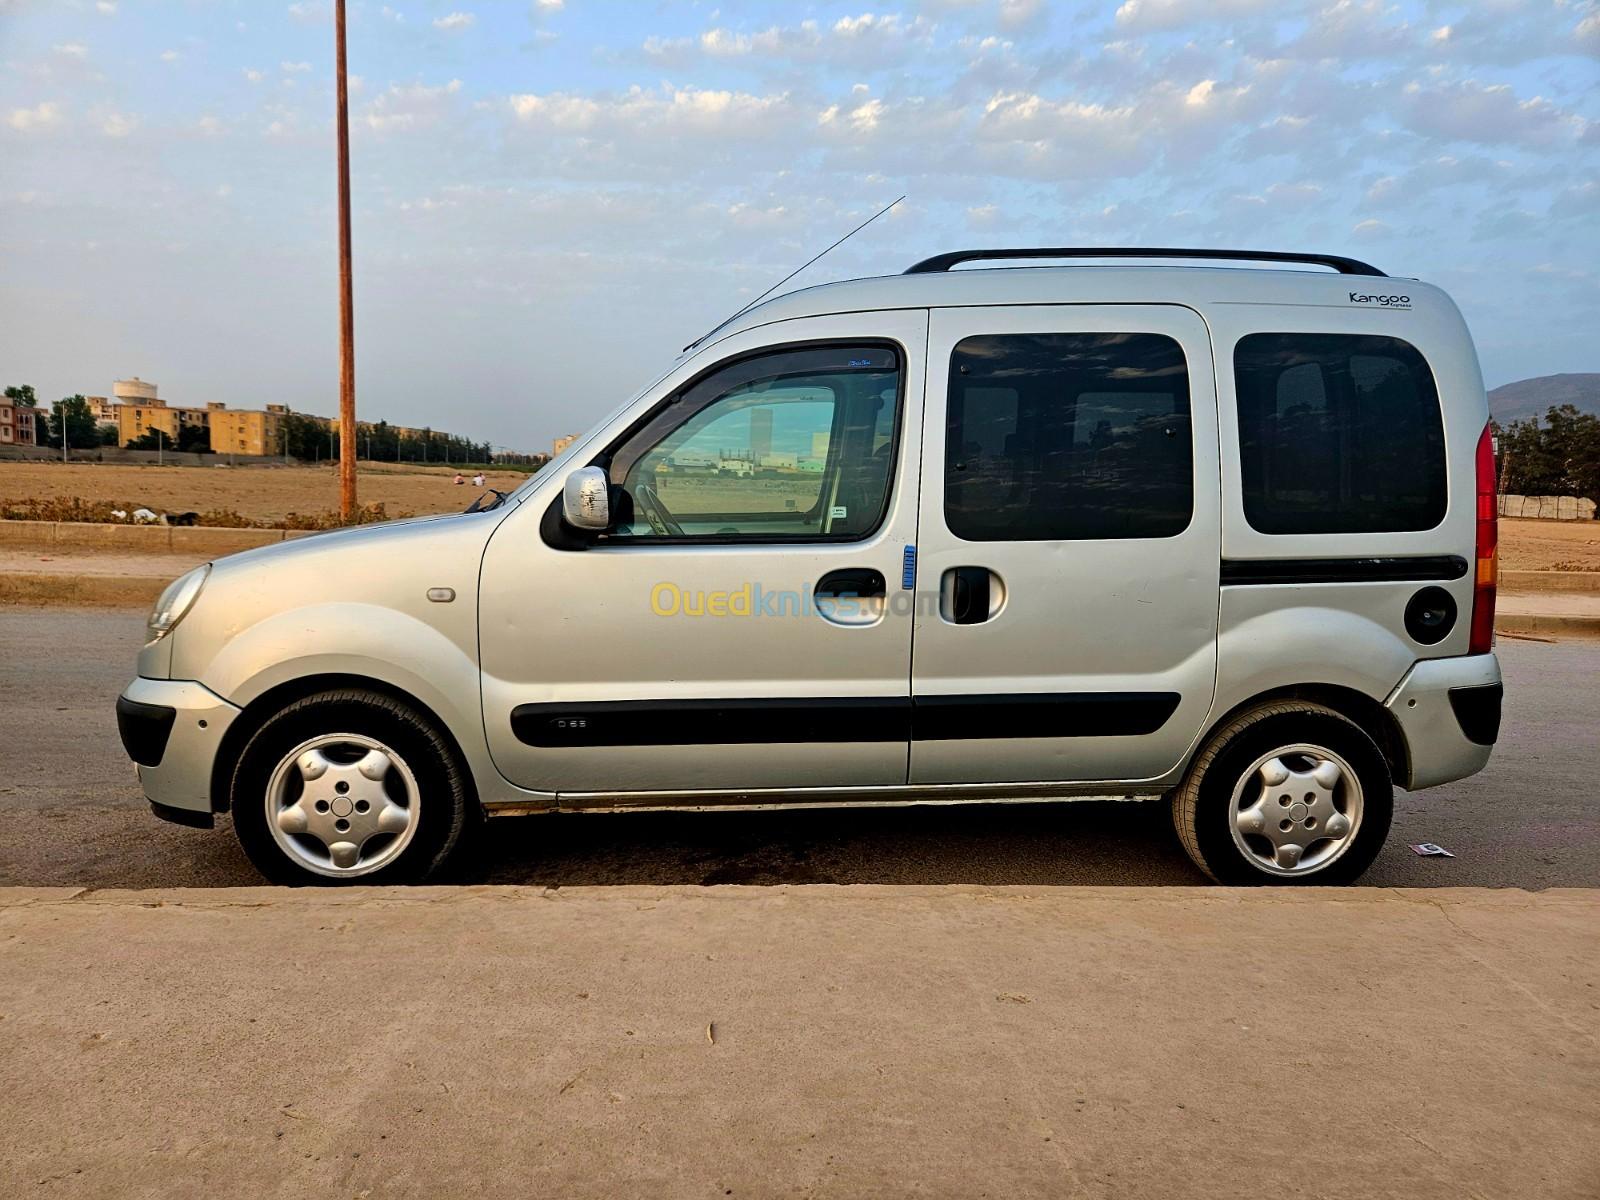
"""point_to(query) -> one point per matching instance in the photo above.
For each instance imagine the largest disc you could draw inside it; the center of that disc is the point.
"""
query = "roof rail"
(943, 262)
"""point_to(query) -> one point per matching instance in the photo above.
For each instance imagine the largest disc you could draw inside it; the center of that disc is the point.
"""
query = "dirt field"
(1549, 545)
(262, 493)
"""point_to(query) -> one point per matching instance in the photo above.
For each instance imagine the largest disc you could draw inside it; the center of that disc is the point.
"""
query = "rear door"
(1069, 524)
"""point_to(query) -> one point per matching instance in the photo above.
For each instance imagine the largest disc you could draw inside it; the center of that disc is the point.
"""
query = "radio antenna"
(793, 273)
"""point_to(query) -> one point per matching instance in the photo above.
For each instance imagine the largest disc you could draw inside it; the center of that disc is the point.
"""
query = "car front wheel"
(349, 786)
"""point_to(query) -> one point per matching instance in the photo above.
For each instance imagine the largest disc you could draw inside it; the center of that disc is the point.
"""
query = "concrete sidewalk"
(818, 1041)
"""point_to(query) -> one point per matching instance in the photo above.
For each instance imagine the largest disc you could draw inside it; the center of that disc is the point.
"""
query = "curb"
(1539, 623)
(146, 539)
(1550, 581)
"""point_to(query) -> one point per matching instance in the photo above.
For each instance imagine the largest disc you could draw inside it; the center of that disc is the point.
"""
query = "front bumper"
(175, 770)
(1449, 711)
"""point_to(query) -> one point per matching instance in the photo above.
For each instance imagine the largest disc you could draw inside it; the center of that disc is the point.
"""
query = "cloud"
(75, 50)
(1488, 114)
(685, 111)
(1152, 15)
(41, 116)
(401, 108)
(253, 75)
(170, 56)
(118, 125)
(294, 68)
(868, 39)
(454, 22)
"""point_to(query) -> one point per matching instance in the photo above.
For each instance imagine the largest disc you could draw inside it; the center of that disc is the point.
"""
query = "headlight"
(177, 600)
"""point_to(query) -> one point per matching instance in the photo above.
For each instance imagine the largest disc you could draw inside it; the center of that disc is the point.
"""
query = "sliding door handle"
(969, 595)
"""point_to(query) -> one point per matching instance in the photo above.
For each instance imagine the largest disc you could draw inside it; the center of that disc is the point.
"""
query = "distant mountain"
(1531, 397)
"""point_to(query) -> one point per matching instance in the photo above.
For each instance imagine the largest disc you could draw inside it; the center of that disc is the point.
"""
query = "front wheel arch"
(256, 714)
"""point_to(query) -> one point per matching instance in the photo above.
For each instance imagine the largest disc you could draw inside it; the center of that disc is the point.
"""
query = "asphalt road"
(71, 812)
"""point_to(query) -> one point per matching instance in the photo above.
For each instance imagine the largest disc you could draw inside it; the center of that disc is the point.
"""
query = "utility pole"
(347, 319)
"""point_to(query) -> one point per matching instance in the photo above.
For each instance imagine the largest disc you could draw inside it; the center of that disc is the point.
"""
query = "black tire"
(1202, 806)
(447, 807)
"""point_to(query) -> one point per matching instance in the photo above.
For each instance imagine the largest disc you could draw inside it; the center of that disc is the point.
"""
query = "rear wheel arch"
(1376, 721)
(275, 699)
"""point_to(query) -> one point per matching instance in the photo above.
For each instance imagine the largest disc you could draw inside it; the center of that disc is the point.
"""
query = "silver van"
(1218, 536)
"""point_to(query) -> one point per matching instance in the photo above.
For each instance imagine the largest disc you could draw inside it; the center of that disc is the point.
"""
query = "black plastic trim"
(943, 262)
(183, 816)
(713, 722)
(841, 719)
(1040, 715)
(1239, 572)
(144, 729)
(1477, 711)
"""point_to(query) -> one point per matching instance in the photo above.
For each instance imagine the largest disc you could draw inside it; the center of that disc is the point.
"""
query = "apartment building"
(248, 431)
(17, 426)
(136, 420)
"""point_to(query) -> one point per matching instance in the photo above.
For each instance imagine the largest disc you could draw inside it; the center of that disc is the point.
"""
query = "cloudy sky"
(552, 196)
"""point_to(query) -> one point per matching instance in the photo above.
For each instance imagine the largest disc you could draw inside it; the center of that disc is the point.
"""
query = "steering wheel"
(661, 521)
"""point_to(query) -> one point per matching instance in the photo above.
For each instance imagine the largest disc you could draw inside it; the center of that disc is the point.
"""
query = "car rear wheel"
(1289, 792)
(349, 786)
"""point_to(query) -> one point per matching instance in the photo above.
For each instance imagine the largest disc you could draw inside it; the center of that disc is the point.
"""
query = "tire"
(357, 763)
(1238, 781)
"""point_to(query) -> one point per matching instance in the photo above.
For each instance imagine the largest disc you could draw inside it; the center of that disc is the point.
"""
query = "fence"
(1548, 508)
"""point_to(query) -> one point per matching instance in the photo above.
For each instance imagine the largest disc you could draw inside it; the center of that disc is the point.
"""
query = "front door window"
(788, 445)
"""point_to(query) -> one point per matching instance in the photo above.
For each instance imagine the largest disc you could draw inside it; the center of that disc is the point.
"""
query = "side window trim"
(616, 469)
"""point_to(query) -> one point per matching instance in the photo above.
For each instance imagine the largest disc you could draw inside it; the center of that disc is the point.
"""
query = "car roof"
(1192, 286)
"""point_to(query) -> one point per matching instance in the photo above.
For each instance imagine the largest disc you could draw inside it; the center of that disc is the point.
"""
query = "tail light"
(1486, 552)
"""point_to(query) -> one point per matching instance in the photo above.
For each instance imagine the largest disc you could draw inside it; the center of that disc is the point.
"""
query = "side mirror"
(586, 499)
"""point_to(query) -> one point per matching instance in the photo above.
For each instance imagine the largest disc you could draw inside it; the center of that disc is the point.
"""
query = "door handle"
(851, 596)
(852, 581)
(969, 595)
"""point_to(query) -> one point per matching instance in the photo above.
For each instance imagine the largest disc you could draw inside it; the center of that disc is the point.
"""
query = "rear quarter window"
(1338, 433)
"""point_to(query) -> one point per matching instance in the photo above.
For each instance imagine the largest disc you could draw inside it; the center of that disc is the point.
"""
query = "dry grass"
(299, 497)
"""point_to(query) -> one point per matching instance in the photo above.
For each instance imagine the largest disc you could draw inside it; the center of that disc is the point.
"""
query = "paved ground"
(851, 1042)
(71, 812)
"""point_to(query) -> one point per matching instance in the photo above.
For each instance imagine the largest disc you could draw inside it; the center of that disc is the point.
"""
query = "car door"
(732, 631)
(1069, 526)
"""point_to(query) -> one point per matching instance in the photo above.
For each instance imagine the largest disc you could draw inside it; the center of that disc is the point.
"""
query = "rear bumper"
(171, 728)
(1449, 711)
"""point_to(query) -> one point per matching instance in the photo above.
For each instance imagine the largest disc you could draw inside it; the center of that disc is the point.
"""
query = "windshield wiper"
(479, 506)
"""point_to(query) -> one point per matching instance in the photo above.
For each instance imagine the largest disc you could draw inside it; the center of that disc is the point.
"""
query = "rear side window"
(1068, 436)
(1338, 433)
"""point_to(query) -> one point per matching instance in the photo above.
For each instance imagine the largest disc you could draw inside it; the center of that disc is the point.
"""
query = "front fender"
(357, 639)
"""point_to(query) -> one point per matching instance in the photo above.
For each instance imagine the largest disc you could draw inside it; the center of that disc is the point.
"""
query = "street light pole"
(347, 322)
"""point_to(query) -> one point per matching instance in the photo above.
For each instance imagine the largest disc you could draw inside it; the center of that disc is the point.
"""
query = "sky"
(552, 196)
